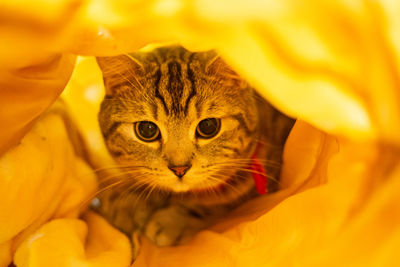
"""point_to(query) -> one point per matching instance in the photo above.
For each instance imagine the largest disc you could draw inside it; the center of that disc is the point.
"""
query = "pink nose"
(180, 170)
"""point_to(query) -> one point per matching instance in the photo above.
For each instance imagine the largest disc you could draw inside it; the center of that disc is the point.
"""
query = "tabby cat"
(184, 130)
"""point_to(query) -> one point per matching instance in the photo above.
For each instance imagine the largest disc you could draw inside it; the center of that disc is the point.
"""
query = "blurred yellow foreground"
(335, 65)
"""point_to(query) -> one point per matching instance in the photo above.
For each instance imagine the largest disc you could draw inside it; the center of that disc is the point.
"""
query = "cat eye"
(147, 131)
(208, 128)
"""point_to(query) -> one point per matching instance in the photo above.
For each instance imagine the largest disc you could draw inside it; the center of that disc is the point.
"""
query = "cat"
(183, 129)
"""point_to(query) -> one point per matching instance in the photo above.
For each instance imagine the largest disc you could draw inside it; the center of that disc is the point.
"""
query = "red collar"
(258, 172)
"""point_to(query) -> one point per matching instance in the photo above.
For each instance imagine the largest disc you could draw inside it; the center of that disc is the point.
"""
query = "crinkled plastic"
(332, 64)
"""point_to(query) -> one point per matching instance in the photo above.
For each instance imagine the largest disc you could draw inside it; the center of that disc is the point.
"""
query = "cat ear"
(217, 66)
(118, 70)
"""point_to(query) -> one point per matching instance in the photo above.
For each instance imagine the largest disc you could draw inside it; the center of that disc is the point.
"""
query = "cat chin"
(181, 188)
(186, 189)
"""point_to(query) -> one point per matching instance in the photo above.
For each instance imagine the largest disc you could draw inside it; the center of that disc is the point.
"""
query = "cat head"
(177, 120)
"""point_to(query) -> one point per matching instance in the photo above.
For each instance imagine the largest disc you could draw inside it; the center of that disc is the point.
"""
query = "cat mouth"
(221, 187)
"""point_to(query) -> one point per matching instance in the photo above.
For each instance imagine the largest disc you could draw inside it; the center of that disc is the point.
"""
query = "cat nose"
(179, 170)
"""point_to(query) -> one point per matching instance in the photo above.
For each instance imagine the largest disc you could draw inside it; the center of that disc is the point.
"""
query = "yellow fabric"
(89, 243)
(19, 107)
(42, 180)
(332, 64)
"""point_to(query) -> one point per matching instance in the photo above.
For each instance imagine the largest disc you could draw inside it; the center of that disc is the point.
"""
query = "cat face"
(177, 120)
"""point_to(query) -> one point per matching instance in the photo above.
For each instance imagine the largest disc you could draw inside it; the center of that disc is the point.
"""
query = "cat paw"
(172, 226)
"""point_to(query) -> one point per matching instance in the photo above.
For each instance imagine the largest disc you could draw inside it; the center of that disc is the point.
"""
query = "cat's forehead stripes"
(175, 84)
(174, 87)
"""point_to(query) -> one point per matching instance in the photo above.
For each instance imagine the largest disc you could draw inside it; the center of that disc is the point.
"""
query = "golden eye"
(147, 131)
(208, 128)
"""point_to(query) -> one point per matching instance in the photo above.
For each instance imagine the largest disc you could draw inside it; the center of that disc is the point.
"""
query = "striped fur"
(176, 89)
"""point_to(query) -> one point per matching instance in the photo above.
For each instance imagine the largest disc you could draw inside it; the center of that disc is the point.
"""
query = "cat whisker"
(269, 177)
(244, 165)
(214, 177)
(148, 186)
(250, 161)
(119, 182)
(260, 173)
(153, 186)
(113, 167)
(137, 185)
(99, 170)
(236, 165)
(127, 174)
(137, 181)
(240, 168)
(143, 192)
(211, 190)
(127, 170)
(97, 192)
